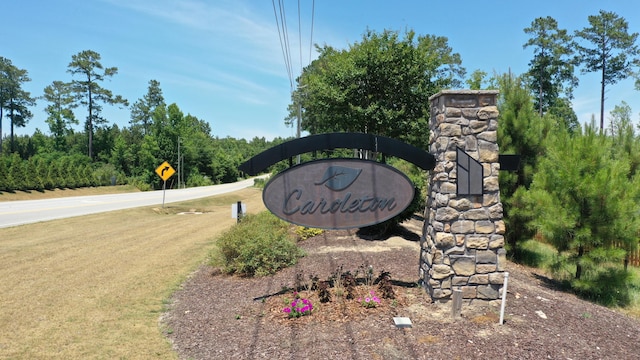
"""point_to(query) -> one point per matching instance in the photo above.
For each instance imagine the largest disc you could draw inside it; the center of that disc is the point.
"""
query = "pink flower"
(367, 299)
(286, 310)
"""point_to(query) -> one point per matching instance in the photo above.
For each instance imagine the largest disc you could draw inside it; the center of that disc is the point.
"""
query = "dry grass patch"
(94, 286)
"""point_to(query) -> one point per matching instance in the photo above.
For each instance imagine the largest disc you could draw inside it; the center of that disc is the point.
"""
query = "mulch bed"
(215, 316)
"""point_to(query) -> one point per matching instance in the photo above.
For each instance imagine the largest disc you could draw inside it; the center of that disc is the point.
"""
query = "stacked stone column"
(463, 236)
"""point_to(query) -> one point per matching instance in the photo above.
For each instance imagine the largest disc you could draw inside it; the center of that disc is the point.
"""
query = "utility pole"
(179, 163)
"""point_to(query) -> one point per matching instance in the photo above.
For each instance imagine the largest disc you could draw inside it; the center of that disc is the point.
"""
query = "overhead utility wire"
(285, 32)
(283, 43)
(313, 10)
(300, 35)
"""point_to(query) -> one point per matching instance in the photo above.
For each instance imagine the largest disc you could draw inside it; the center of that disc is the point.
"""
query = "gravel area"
(215, 316)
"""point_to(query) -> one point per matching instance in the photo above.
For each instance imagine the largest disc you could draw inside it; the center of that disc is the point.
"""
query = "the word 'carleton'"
(338, 193)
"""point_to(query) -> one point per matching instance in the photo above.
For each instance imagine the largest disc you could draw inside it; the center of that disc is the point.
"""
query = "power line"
(282, 36)
(313, 10)
(300, 35)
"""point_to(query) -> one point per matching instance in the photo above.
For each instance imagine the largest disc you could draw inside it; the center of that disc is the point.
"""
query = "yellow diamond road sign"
(165, 171)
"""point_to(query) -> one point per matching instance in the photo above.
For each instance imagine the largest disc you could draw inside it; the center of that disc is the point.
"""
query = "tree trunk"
(604, 63)
(90, 122)
(0, 130)
(11, 145)
(578, 266)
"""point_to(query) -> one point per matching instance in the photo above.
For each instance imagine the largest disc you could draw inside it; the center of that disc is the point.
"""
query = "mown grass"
(94, 287)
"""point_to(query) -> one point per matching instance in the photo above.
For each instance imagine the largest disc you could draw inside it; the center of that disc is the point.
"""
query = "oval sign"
(338, 193)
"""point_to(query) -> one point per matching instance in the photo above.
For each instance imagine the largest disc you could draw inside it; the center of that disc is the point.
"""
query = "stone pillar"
(462, 244)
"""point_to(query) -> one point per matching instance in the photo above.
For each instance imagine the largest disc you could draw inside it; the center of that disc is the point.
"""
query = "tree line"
(104, 154)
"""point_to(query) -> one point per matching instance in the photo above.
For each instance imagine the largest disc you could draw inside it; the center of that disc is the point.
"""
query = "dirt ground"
(214, 316)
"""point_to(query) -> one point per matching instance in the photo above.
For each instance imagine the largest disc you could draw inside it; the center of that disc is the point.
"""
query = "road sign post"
(164, 171)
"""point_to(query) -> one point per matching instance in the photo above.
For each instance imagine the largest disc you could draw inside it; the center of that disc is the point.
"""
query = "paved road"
(13, 213)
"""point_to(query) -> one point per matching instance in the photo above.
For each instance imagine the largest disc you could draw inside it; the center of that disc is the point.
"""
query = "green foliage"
(257, 246)
(609, 49)
(16, 175)
(259, 183)
(103, 175)
(14, 100)
(520, 131)
(379, 85)
(607, 285)
(61, 116)
(551, 71)
(196, 179)
(87, 89)
(583, 201)
(304, 232)
(143, 109)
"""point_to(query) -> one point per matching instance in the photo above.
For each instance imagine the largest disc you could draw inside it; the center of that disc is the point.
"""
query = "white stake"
(504, 296)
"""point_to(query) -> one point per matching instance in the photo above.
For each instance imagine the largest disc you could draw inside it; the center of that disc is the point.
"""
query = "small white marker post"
(238, 210)
(504, 297)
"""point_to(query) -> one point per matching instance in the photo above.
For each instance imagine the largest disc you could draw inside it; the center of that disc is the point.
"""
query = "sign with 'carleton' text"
(338, 193)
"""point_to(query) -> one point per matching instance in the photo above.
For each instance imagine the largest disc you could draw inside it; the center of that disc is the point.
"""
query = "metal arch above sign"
(338, 193)
(345, 140)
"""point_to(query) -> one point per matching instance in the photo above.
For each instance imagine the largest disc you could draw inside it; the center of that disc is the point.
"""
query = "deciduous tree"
(379, 85)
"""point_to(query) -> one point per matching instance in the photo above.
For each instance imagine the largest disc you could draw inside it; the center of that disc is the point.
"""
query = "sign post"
(164, 171)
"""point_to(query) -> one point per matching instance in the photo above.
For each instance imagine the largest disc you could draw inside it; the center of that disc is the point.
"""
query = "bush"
(608, 286)
(257, 246)
(259, 183)
(196, 179)
(304, 232)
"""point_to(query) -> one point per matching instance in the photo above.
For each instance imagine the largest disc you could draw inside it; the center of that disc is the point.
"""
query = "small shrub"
(259, 183)
(257, 246)
(196, 179)
(349, 284)
(304, 233)
(609, 286)
(323, 291)
(310, 283)
(384, 285)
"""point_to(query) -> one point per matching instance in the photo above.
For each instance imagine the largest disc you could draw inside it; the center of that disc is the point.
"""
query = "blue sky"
(221, 60)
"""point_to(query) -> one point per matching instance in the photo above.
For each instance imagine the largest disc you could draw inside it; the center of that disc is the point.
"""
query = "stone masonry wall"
(463, 236)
